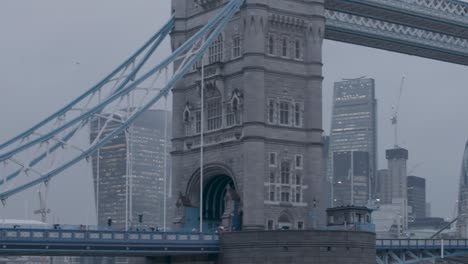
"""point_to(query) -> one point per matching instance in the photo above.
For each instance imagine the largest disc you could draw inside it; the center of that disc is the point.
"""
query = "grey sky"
(42, 41)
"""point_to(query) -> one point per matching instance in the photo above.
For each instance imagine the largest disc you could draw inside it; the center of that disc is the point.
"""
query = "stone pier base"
(297, 247)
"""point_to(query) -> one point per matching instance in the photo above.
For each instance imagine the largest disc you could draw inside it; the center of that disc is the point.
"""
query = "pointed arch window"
(216, 50)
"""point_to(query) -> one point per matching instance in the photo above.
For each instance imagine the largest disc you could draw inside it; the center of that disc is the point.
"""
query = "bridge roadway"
(36, 242)
(51, 242)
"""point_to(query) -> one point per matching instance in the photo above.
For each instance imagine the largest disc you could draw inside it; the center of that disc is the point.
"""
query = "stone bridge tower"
(263, 117)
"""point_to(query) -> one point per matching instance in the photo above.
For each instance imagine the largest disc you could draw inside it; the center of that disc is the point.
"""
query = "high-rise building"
(383, 187)
(416, 197)
(354, 127)
(462, 223)
(129, 176)
(351, 178)
(397, 159)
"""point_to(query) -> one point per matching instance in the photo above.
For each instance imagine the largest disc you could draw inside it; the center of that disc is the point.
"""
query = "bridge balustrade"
(115, 236)
(421, 243)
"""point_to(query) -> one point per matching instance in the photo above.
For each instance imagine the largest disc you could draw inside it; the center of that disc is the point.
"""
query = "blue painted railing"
(385, 244)
(114, 236)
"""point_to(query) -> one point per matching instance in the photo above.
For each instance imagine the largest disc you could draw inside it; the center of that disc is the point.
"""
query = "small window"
(285, 172)
(298, 161)
(284, 47)
(270, 224)
(236, 47)
(298, 49)
(284, 113)
(298, 196)
(300, 225)
(272, 159)
(216, 50)
(271, 45)
(197, 122)
(272, 196)
(298, 115)
(214, 114)
(285, 196)
(298, 178)
(271, 111)
(272, 177)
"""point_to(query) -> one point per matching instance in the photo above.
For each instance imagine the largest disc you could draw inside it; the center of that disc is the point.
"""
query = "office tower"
(383, 187)
(397, 159)
(354, 127)
(326, 194)
(416, 197)
(139, 153)
(462, 223)
(351, 178)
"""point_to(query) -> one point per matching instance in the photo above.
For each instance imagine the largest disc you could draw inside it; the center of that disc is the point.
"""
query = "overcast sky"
(42, 41)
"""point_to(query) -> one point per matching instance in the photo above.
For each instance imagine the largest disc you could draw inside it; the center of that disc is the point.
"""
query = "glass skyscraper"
(139, 154)
(462, 223)
(353, 130)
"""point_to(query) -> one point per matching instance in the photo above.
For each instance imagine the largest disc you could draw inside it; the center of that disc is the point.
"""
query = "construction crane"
(396, 108)
(43, 210)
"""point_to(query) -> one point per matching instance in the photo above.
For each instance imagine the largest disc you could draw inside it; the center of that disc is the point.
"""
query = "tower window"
(284, 113)
(271, 111)
(236, 47)
(298, 114)
(298, 161)
(197, 122)
(285, 196)
(298, 49)
(271, 45)
(284, 47)
(214, 111)
(215, 52)
(285, 172)
(272, 159)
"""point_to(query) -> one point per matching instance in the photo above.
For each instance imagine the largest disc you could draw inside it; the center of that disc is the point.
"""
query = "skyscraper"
(138, 152)
(383, 187)
(462, 223)
(397, 159)
(354, 129)
(417, 197)
(351, 174)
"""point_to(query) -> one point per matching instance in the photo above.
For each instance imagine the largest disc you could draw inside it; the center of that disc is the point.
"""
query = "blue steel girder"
(410, 256)
(400, 38)
(443, 16)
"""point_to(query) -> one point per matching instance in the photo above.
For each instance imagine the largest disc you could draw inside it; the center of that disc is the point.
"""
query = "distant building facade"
(397, 161)
(354, 129)
(139, 152)
(383, 187)
(416, 197)
(351, 178)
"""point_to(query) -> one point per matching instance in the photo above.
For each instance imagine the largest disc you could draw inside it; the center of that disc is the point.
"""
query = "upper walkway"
(435, 29)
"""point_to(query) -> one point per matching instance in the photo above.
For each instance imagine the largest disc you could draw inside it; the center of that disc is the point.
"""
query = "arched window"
(271, 45)
(216, 50)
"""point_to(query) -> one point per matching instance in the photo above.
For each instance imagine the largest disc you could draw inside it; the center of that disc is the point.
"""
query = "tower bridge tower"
(262, 117)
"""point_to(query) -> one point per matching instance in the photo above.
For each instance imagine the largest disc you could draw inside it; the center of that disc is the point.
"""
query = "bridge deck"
(105, 243)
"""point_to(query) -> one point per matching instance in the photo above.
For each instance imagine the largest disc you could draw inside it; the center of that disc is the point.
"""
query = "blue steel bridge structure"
(435, 29)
